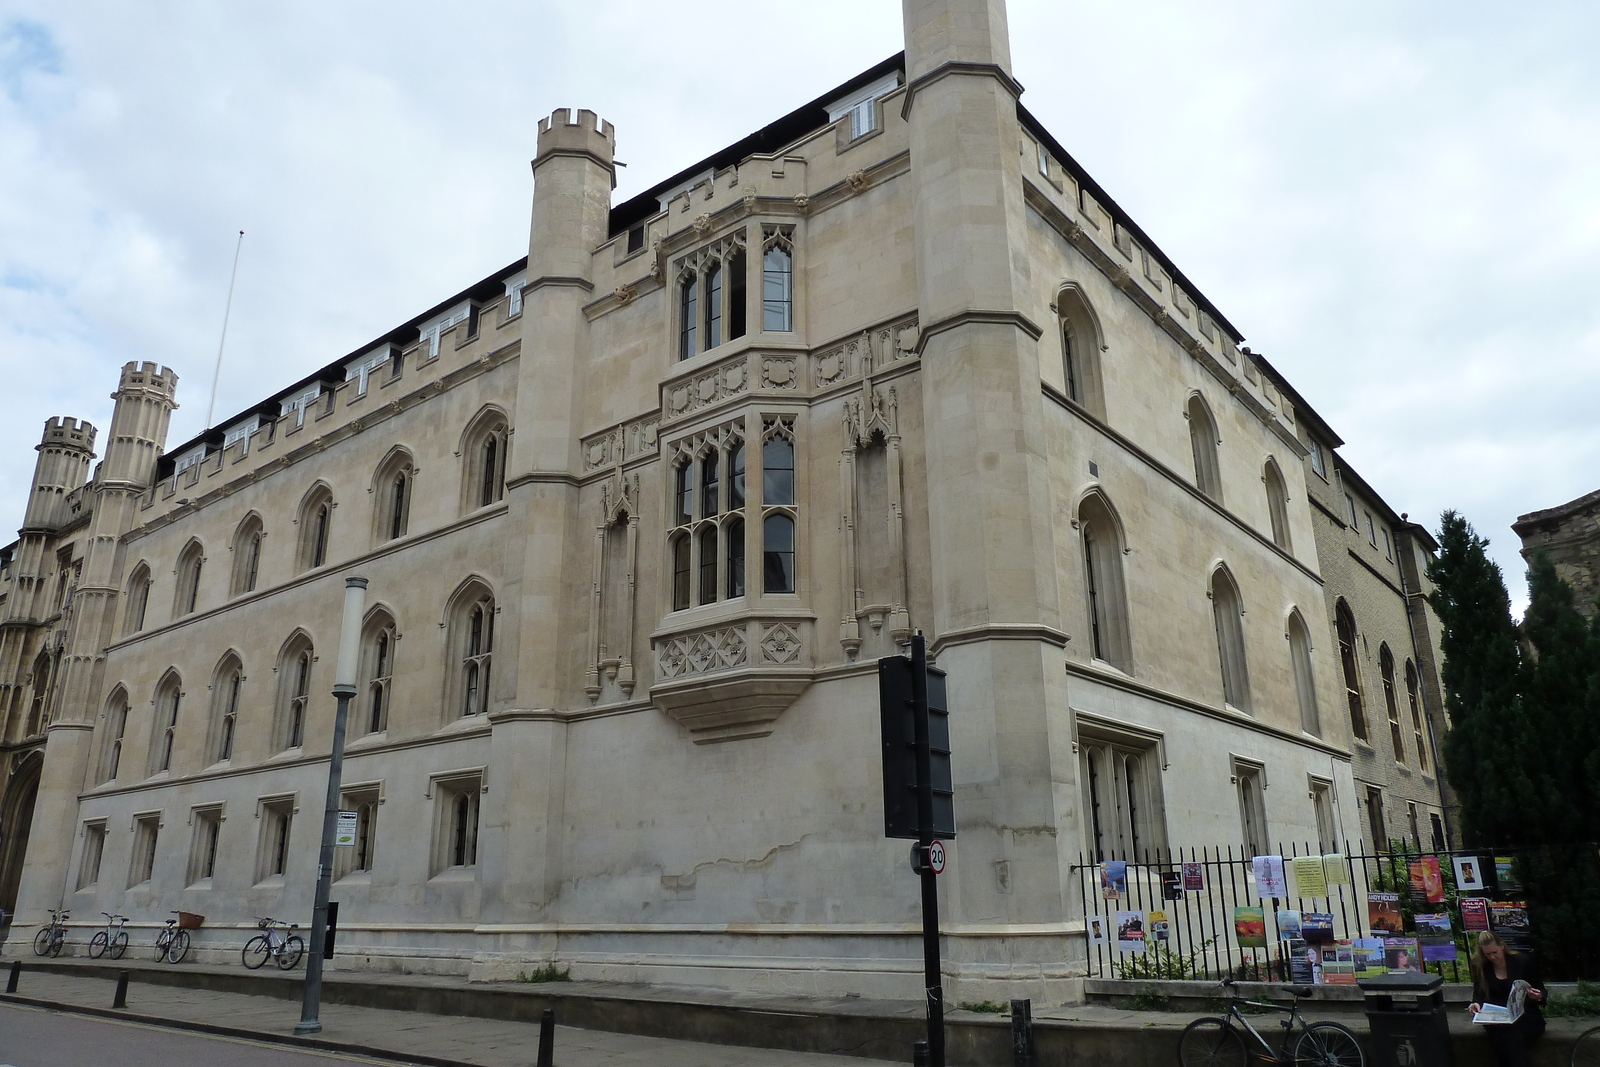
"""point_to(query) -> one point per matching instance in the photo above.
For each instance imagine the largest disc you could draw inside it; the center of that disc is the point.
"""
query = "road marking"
(352, 1057)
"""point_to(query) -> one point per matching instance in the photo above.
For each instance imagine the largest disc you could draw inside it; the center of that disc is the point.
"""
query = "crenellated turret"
(145, 396)
(64, 456)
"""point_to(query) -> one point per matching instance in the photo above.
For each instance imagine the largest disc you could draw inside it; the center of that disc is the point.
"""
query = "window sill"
(202, 884)
(140, 887)
(297, 752)
(272, 881)
(372, 739)
(355, 878)
(468, 873)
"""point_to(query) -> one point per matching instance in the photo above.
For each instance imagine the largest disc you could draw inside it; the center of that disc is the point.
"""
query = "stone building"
(639, 513)
(1570, 534)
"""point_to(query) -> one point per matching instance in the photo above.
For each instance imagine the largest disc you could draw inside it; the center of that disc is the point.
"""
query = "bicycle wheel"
(41, 942)
(57, 942)
(1586, 1050)
(291, 952)
(119, 945)
(1210, 1043)
(256, 951)
(179, 947)
(1328, 1045)
(163, 940)
(97, 945)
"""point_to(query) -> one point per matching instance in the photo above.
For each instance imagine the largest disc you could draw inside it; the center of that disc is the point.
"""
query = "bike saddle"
(1300, 990)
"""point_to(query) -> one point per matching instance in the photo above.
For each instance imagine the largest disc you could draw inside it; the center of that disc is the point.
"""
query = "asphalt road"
(36, 1037)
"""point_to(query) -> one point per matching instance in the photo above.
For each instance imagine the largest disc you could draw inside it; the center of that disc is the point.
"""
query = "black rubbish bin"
(1406, 1014)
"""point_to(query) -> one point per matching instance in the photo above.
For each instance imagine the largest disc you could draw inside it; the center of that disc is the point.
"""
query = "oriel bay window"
(777, 279)
(711, 297)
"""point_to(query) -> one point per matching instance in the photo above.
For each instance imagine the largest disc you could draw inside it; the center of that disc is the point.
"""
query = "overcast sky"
(1398, 204)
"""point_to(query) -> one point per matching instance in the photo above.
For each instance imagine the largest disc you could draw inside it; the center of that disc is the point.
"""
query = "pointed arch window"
(1227, 612)
(42, 676)
(393, 488)
(1304, 685)
(484, 447)
(190, 565)
(1344, 624)
(247, 555)
(138, 599)
(225, 693)
(1203, 443)
(1106, 592)
(1391, 702)
(777, 280)
(688, 315)
(472, 641)
(294, 691)
(116, 727)
(1418, 731)
(316, 527)
(378, 643)
(1277, 505)
(1080, 351)
(705, 547)
(168, 703)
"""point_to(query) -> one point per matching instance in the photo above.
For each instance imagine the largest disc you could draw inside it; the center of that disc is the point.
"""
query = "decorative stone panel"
(733, 680)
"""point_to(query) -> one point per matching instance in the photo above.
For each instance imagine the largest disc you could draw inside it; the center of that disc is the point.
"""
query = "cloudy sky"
(1398, 203)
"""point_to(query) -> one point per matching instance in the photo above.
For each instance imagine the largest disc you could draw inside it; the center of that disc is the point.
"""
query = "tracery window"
(138, 599)
(190, 564)
(116, 727)
(707, 543)
(226, 686)
(1277, 504)
(169, 699)
(1304, 685)
(1203, 443)
(247, 555)
(1390, 702)
(1418, 732)
(777, 279)
(472, 623)
(377, 671)
(712, 289)
(316, 524)
(1344, 624)
(1080, 350)
(1106, 594)
(1227, 612)
(483, 451)
(294, 691)
(392, 491)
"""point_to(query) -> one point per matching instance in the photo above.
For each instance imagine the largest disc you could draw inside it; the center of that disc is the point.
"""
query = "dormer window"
(188, 459)
(435, 328)
(297, 405)
(514, 286)
(241, 432)
(861, 106)
(363, 369)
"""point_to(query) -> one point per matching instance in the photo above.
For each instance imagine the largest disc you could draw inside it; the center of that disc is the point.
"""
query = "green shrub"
(1586, 1001)
(547, 973)
(987, 1006)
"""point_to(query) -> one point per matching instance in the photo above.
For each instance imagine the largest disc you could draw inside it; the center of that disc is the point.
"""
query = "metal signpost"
(344, 687)
(904, 686)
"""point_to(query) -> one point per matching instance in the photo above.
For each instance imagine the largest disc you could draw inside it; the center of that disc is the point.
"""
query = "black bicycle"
(49, 939)
(1213, 1042)
(1586, 1050)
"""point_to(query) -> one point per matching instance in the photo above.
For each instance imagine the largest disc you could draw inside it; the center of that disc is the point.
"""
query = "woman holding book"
(1495, 972)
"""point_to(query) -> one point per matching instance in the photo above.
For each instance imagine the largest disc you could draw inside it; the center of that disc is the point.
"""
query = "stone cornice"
(959, 68)
(558, 280)
(978, 317)
(575, 153)
(544, 478)
(999, 631)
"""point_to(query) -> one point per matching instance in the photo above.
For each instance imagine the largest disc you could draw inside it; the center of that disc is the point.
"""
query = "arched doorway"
(16, 816)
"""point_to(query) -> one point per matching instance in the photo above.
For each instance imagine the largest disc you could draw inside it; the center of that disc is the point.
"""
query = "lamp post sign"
(345, 834)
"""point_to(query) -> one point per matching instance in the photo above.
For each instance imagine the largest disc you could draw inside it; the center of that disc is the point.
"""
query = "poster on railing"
(1474, 914)
(1160, 927)
(1310, 877)
(1317, 927)
(1270, 881)
(1113, 879)
(1427, 884)
(1288, 924)
(1130, 931)
(1506, 884)
(1194, 877)
(1339, 963)
(1369, 957)
(1300, 963)
(1097, 929)
(1336, 869)
(1469, 872)
(1383, 914)
(1438, 941)
(1171, 885)
(1250, 927)
(1509, 919)
(1400, 954)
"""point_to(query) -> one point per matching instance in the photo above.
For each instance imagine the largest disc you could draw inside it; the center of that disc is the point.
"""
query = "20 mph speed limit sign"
(936, 857)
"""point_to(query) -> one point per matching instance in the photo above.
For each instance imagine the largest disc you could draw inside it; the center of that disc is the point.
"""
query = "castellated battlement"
(589, 134)
(63, 432)
(148, 376)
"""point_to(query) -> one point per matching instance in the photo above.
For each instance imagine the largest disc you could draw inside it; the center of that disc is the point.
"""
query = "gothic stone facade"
(1570, 534)
(638, 515)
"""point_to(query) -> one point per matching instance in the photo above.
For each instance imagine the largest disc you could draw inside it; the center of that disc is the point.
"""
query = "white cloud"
(1398, 204)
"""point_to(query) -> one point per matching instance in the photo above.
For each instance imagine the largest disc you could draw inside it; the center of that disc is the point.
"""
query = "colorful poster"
(1270, 882)
(1338, 963)
(1097, 929)
(1336, 869)
(1505, 877)
(1317, 927)
(1383, 914)
(1300, 969)
(1437, 940)
(1310, 877)
(1427, 885)
(1368, 956)
(1171, 885)
(1469, 872)
(1113, 879)
(1194, 877)
(1160, 927)
(1130, 931)
(1509, 919)
(1288, 925)
(1400, 954)
(1250, 927)
(1474, 913)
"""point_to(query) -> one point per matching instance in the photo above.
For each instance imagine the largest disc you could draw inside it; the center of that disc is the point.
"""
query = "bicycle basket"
(188, 920)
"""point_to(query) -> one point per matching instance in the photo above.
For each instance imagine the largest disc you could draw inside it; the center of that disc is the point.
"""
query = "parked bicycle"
(172, 943)
(271, 943)
(1586, 1050)
(113, 938)
(49, 939)
(1212, 1042)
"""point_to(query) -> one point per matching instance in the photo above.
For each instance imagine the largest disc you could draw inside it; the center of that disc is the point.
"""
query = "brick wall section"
(1570, 533)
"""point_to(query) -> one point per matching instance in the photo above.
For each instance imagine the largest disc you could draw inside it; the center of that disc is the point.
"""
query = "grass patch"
(547, 973)
(988, 1007)
(1586, 1001)
(1150, 1002)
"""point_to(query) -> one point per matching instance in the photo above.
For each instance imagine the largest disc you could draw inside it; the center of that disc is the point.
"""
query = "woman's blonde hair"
(1487, 937)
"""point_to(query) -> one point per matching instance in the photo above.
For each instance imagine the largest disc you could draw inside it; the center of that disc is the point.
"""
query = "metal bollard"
(1022, 1033)
(547, 1038)
(919, 1053)
(16, 972)
(121, 999)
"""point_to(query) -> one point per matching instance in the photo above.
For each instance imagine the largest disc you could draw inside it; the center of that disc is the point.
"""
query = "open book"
(1495, 1015)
